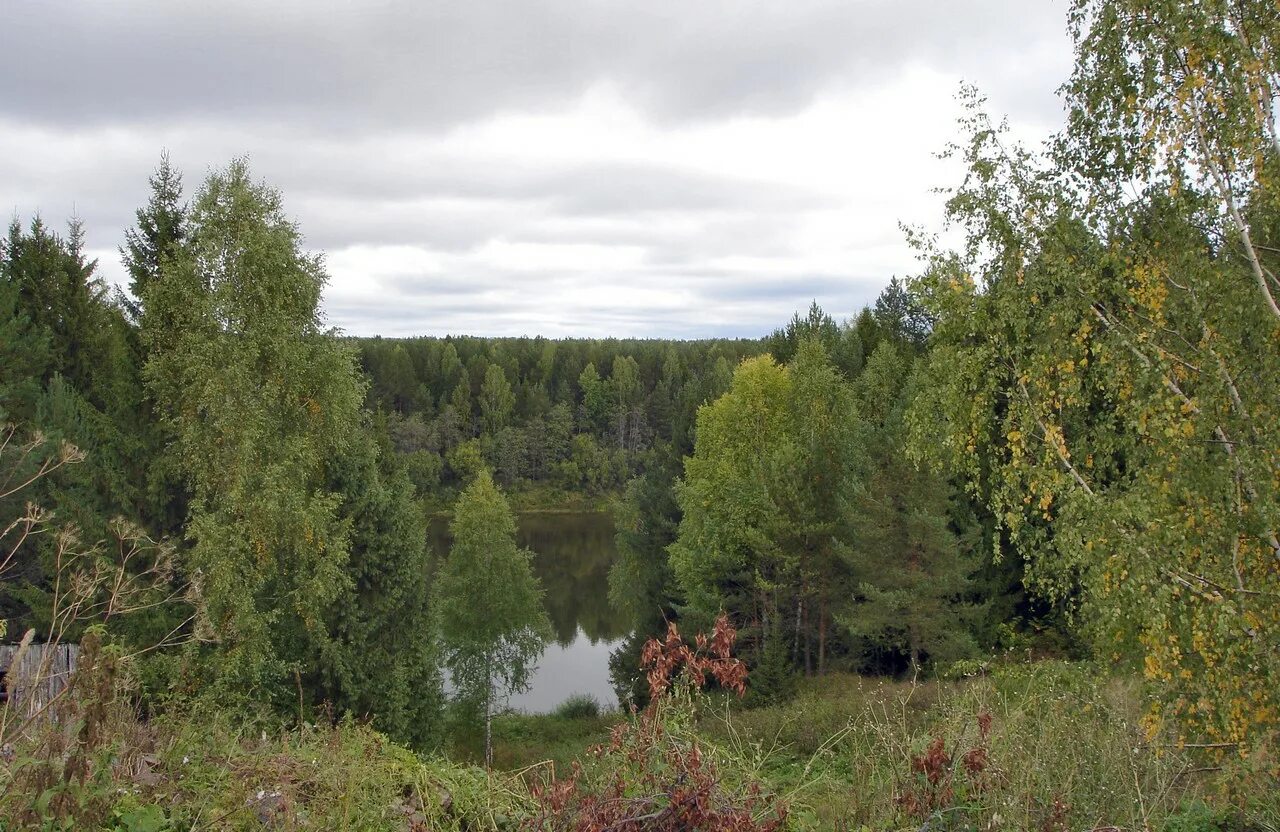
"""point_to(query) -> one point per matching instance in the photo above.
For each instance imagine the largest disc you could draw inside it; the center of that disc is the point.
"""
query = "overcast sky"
(524, 167)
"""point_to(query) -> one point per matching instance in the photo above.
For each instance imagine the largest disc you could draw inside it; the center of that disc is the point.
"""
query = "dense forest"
(882, 572)
(573, 415)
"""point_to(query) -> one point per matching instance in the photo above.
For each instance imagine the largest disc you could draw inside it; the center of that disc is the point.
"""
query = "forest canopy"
(1056, 445)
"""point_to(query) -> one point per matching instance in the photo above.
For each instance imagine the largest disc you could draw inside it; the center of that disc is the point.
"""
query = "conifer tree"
(67, 374)
(381, 659)
(159, 233)
(158, 236)
(909, 567)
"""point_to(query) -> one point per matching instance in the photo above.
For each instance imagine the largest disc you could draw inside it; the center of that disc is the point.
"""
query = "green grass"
(205, 774)
(1065, 751)
(521, 740)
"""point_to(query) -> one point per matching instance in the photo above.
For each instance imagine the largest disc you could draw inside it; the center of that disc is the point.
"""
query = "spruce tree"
(159, 235)
(381, 659)
(160, 232)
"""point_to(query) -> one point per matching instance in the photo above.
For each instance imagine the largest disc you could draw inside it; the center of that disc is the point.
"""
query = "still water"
(572, 556)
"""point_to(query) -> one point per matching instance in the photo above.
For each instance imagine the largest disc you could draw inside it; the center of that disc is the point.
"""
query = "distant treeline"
(575, 414)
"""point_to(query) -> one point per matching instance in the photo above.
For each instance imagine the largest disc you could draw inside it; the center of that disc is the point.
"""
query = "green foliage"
(492, 621)
(465, 460)
(1062, 739)
(496, 400)
(764, 501)
(160, 232)
(646, 519)
(578, 706)
(566, 427)
(68, 375)
(595, 406)
(1198, 816)
(139, 818)
(380, 658)
(625, 380)
(842, 343)
(1105, 355)
(424, 469)
(909, 566)
(259, 398)
(773, 679)
(899, 317)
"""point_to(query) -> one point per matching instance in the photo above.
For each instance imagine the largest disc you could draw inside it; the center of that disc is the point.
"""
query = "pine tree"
(910, 567)
(900, 317)
(815, 325)
(492, 621)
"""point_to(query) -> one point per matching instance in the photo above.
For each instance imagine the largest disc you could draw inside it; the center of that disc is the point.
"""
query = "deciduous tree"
(492, 620)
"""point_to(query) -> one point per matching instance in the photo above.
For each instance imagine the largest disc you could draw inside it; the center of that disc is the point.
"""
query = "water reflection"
(572, 556)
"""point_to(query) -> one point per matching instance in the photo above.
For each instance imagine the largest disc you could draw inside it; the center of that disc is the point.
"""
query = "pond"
(572, 555)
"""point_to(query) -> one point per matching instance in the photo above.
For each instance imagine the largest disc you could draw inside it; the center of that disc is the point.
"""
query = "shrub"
(1195, 816)
(655, 773)
(579, 706)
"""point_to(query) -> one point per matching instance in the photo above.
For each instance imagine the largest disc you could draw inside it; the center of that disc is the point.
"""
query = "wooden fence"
(41, 674)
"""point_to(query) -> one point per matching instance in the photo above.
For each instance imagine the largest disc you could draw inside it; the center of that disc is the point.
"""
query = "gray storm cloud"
(359, 65)
(456, 163)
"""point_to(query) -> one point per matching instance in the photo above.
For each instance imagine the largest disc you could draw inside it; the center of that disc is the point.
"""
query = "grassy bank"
(1048, 747)
(1038, 746)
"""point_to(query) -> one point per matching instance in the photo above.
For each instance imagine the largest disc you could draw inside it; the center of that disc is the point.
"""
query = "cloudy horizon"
(546, 168)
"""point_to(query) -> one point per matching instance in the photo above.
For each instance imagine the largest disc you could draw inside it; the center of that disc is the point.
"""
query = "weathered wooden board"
(41, 674)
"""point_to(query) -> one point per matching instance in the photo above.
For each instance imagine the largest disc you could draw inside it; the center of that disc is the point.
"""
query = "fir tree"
(160, 231)
(381, 658)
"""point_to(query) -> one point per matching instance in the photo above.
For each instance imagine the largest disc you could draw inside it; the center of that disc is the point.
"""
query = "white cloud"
(657, 189)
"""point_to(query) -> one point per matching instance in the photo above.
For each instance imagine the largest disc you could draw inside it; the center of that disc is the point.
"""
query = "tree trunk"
(822, 637)
(795, 641)
(808, 645)
(488, 723)
(764, 627)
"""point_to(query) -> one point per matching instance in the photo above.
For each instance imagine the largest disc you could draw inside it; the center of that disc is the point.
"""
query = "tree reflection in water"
(572, 556)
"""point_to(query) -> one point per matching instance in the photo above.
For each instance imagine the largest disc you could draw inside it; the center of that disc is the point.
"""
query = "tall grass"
(1047, 747)
(1064, 749)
